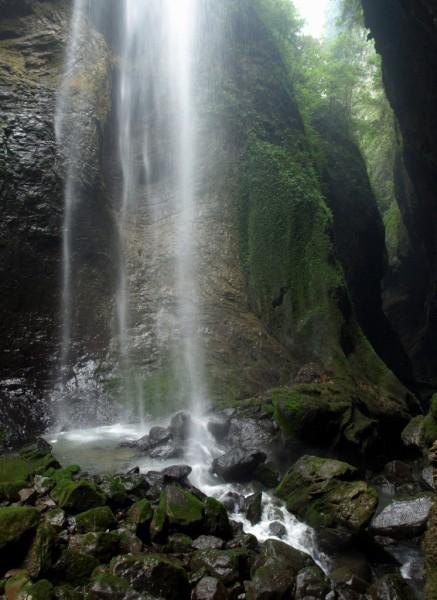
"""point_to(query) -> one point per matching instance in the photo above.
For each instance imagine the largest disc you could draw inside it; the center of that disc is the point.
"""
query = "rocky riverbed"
(228, 525)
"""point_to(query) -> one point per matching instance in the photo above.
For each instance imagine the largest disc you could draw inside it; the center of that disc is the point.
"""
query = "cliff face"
(273, 297)
(32, 46)
(405, 36)
(32, 39)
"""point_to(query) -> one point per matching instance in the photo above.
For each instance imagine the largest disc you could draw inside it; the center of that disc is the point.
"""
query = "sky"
(314, 13)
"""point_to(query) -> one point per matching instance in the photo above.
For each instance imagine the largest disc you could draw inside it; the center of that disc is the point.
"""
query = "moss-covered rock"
(41, 590)
(78, 496)
(320, 491)
(9, 491)
(178, 510)
(141, 514)
(227, 565)
(101, 545)
(216, 519)
(67, 473)
(16, 522)
(96, 519)
(154, 574)
(42, 551)
(75, 567)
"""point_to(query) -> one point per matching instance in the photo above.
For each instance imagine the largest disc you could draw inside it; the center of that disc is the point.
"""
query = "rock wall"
(405, 36)
(33, 38)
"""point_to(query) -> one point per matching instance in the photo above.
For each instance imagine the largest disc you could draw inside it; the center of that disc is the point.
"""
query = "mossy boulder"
(75, 567)
(42, 551)
(41, 590)
(216, 519)
(154, 574)
(14, 469)
(96, 519)
(181, 511)
(78, 496)
(9, 491)
(115, 491)
(15, 523)
(321, 492)
(140, 514)
(69, 473)
(226, 565)
(101, 545)
(274, 573)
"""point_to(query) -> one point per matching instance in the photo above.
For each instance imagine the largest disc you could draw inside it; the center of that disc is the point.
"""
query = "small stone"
(27, 496)
(253, 508)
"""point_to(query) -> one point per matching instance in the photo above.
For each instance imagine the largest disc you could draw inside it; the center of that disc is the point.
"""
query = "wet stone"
(210, 588)
(277, 529)
(208, 542)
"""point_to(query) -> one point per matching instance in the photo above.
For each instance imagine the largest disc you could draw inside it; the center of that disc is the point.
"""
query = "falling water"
(155, 124)
(71, 140)
(157, 78)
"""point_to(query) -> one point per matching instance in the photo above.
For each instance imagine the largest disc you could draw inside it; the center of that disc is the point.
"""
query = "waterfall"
(154, 135)
(70, 139)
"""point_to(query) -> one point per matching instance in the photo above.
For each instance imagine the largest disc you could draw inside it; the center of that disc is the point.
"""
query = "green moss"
(216, 518)
(69, 473)
(183, 509)
(9, 491)
(78, 496)
(141, 515)
(76, 567)
(320, 491)
(40, 557)
(158, 524)
(15, 521)
(96, 519)
(14, 469)
(15, 585)
(41, 590)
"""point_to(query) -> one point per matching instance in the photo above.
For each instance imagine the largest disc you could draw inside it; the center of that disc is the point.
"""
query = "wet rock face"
(31, 206)
(31, 201)
(405, 35)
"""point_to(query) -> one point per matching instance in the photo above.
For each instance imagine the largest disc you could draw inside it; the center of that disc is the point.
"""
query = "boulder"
(96, 519)
(180, 426)
(41, 555)
(216, 521)
(391, 587)
(166, 451)
(159, 436)
(312, 583)
(227, 565)
(210, 588)
(253, 508)
(402, 518)
(251, 433)
(140, 514)
(238, 464)
(320, 491)
(208, 542)
(178, 473)
(75, 567)
(78, 496)
(183, 510)
(101, 545)
(154, 574)
(277, 529)
(273, 576)
(219, 428)
(15, 523)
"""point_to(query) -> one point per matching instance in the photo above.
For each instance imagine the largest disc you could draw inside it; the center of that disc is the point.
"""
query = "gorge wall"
(405, 36)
